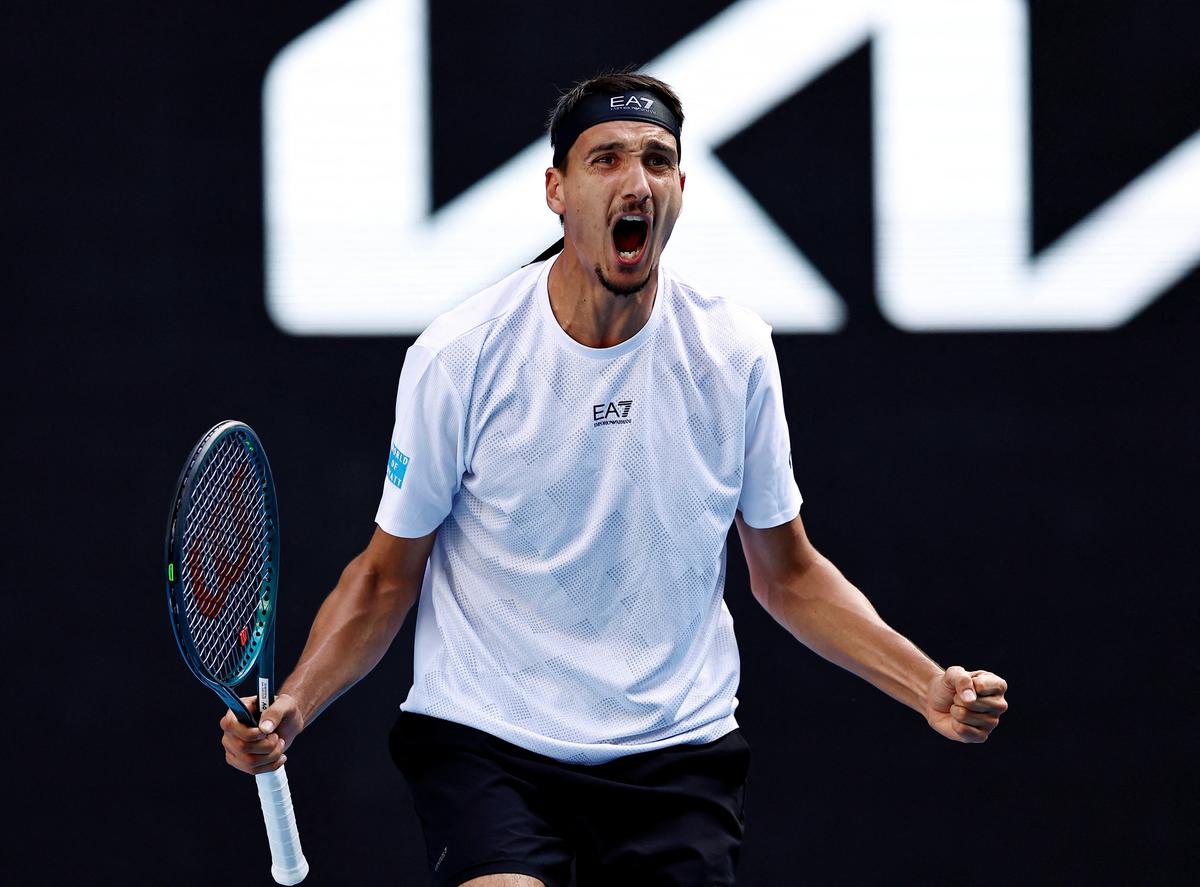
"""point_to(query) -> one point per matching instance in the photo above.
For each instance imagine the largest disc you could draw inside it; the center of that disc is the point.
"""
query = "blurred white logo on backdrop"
(352, 246)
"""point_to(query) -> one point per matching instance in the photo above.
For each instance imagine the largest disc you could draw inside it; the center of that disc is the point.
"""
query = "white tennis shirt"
(572, 604)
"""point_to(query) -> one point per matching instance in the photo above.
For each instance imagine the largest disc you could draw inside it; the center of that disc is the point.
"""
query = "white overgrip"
(288, 865)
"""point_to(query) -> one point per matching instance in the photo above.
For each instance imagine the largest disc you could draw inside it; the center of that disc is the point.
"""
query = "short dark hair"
(610, 83)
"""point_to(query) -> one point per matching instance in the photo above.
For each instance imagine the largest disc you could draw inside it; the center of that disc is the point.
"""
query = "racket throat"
(264, 695)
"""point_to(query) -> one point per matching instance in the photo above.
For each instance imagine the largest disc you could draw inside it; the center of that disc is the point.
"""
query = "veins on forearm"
(830, 616)
(352, 632)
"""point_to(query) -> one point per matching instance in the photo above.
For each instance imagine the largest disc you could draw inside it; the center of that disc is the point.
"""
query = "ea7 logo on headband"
(618, 102)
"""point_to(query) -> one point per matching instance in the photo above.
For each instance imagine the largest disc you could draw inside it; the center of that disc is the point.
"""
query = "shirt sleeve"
(425, 465)
(770, 496)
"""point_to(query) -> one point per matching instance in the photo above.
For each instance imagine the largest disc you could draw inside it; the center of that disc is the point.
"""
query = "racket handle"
(288, 865)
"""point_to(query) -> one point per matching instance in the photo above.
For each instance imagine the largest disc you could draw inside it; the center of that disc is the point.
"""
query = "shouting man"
(571, 448)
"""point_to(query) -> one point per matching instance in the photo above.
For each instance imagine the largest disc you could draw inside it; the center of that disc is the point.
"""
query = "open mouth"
(630, 234)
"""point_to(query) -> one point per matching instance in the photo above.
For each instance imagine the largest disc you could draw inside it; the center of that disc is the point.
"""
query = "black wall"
(1019, 501)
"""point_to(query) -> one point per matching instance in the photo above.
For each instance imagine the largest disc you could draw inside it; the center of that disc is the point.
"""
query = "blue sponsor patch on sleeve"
(397, 466)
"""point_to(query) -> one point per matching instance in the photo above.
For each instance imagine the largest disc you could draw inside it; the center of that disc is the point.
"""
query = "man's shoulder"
(715, 312)
(476, 315)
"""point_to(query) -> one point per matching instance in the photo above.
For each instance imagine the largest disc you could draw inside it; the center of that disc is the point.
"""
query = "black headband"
(592, 109)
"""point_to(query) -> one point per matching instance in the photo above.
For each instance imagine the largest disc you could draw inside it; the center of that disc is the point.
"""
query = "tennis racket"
(222, 572)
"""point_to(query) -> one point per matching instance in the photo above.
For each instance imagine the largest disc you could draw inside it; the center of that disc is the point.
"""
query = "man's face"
(619, 200)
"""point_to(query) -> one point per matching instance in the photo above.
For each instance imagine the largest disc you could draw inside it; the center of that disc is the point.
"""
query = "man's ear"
(554, 189)
(682, 179)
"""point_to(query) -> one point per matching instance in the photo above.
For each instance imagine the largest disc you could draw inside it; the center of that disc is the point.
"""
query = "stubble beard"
(619, 290)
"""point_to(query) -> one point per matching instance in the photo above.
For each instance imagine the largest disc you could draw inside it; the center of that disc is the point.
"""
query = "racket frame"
(263, 636)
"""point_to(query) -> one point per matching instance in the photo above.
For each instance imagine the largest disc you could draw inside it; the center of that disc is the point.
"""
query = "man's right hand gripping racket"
(222, 572)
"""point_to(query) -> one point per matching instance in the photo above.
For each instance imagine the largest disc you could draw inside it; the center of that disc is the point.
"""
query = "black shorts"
(667, 818)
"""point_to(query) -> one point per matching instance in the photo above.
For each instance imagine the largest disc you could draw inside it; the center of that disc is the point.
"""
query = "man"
(571, 447)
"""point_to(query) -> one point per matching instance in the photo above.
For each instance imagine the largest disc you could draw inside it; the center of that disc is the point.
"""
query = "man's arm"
(353, 629)
(807, 595)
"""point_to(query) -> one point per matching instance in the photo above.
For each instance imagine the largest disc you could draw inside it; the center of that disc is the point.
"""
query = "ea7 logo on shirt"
(611, 413)
(620, 101)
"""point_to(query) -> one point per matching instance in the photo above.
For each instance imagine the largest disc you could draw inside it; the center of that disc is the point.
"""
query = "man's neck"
(589, 312)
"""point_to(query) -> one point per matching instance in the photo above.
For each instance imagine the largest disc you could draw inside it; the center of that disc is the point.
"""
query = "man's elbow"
(781, 591)
(382, 587)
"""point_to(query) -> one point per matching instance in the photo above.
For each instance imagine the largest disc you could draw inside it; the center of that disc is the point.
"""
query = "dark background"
(1020, 501)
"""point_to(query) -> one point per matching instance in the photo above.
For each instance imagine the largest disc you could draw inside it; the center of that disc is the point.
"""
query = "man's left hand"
(966, 705)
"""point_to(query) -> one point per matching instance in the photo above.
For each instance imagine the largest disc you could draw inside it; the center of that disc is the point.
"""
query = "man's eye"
(604, 158)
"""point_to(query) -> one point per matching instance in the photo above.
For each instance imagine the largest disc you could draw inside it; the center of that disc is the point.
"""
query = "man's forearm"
(353, 630)
(826, 613)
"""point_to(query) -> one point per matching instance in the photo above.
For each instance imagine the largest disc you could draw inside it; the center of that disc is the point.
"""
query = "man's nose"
(637, 184)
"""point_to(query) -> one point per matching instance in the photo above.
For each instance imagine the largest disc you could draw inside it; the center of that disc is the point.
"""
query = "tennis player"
(571, 447)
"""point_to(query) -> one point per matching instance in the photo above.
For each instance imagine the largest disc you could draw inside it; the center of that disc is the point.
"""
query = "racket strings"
(226, 559)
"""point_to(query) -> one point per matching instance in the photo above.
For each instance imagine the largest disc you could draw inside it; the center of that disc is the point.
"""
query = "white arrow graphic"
(953, 194)
(353, 247)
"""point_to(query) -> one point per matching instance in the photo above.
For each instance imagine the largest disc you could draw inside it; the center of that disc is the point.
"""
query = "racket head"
(221, 562)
